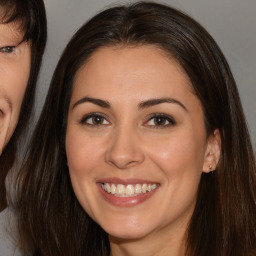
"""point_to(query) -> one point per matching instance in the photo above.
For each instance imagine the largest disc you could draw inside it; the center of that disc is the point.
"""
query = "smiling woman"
(137, 137)
(141, 153)
(22, 43)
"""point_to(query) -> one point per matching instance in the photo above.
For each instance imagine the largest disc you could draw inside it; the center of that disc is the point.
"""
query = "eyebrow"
(99, 102)
(153, 102)
(142, 105)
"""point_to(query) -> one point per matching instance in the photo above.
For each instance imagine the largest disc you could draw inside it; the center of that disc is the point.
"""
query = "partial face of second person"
(15, 58)
(136, 142)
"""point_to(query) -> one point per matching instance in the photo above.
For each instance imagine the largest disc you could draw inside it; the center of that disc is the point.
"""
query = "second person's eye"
(7, 49)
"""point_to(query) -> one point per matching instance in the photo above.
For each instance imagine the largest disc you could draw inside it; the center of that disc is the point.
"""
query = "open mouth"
(130, 190)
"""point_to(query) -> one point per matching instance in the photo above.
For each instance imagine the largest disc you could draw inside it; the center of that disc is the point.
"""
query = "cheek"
(21, 80)
(83, 158)
(178, 154)
(83, 153)
(14, 79)
(14, 75)
(180, 160)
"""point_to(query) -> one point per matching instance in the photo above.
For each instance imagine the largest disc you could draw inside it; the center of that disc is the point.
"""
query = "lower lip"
(125, 201)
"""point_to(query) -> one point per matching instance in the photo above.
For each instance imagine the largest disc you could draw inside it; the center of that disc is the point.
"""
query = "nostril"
(126, 160)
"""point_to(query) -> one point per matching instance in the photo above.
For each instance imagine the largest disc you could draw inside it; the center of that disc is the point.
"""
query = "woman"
(146, 150)
(22, 43)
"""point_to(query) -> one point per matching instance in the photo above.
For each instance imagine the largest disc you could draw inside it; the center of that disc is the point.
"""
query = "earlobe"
(213, 151)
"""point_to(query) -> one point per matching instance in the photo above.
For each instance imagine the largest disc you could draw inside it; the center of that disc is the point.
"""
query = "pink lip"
(125, 201)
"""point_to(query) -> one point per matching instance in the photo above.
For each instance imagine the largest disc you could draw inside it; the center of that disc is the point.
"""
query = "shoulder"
(8, 234)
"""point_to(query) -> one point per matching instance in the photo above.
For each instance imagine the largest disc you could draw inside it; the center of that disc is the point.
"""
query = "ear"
(4, 128)
(213, 151)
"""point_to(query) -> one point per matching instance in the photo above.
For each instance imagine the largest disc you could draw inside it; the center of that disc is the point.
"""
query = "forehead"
(11, 31)
(127, 76)
(6, 13)
(136, 66)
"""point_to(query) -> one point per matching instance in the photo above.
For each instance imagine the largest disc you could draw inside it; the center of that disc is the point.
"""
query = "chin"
(126, 236)
(121, 232)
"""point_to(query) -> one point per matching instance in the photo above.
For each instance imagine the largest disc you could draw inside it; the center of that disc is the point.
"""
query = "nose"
(124, 150)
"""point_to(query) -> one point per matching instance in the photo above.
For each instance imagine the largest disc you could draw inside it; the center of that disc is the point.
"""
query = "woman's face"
(14, 73)
(136, 142)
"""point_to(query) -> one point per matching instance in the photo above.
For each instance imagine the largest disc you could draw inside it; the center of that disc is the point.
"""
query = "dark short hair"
(30, 15)
(224, 221)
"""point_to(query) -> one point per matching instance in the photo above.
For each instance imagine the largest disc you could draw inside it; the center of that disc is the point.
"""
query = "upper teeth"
(128, 190)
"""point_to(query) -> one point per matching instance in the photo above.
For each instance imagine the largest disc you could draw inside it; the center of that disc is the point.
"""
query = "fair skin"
(15, 58)
(134, 120)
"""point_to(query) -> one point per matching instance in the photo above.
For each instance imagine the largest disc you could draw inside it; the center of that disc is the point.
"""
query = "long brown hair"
(30, 14)
(52, 222)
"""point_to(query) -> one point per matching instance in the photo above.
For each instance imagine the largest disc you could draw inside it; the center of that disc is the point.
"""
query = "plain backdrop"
(232, 23)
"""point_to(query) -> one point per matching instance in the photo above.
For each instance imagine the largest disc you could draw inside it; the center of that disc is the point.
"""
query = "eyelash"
(7, 49)
(102, 119)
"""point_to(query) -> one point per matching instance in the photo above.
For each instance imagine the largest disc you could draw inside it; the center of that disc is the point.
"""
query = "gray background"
(231, 22)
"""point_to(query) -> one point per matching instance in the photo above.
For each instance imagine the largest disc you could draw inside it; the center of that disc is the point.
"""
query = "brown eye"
(160, 120)
(95, 120)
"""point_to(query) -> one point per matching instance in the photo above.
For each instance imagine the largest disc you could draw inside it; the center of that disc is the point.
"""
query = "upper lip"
(115, 180)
